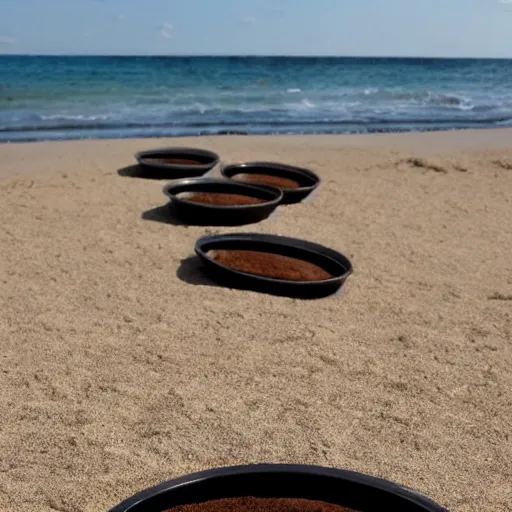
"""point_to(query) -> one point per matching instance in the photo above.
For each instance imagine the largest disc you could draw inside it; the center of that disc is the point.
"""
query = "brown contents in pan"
(219, 199)
(271, 265)
(176, 161)
(261, 505)
(267, 179)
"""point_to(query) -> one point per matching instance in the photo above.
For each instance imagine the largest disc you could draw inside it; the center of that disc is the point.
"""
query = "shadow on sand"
(149, 173)
(190, 271)
(163, 214)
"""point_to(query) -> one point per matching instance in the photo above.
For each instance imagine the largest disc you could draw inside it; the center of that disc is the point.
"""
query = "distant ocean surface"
(54, 98)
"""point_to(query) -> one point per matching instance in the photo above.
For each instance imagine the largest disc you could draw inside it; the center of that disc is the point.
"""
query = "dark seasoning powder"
(261, 505)
(220, 199)
(267, 179)
(271, 265)
(176, 161)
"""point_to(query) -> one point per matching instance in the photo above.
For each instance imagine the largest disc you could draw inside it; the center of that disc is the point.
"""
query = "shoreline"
(124, 366)
(424, 143)
(374, 135)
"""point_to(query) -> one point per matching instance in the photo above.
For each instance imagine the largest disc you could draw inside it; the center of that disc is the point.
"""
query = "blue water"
(51, 98)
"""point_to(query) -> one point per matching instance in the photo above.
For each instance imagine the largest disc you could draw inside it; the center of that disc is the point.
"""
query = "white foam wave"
(307, 103)
(507, 123)
(447, 100)
(293, 90)
(67, 117)
(202, 108)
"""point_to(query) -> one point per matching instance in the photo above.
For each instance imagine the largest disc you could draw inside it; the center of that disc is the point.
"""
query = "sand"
(123, 366)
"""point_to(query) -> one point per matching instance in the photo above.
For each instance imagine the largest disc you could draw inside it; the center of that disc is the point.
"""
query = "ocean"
(58, 98)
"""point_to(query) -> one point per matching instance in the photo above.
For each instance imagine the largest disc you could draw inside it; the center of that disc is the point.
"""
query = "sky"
(427, 28)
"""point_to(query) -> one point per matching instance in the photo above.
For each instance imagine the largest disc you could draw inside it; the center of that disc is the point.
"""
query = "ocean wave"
(426, 96)
(314, 108)
(76, 117)
(375, 121)
(307, 103)
(317, 109)
(355, 104)
(40, 136)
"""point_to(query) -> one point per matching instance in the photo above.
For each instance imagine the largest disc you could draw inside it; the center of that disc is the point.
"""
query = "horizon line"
(255, 55)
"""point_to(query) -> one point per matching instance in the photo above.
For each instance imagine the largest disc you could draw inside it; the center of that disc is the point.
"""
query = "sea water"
(52, 98)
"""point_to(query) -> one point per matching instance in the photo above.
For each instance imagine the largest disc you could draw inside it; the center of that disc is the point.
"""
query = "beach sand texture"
(122, 366)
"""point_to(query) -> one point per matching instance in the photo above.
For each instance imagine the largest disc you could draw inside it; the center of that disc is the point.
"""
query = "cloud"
(7, 40)
(166, 30)
(120, 17)
(248, 20)
(505, 1)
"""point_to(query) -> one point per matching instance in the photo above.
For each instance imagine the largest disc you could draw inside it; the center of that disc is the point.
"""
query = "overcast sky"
(462, 28)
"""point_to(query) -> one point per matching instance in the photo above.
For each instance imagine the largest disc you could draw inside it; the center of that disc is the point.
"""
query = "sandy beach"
(122, 365)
